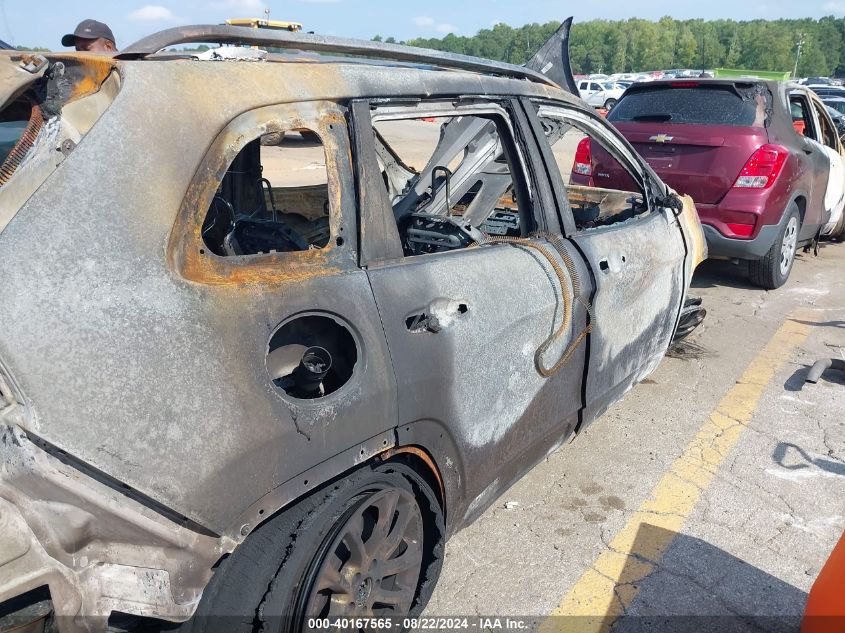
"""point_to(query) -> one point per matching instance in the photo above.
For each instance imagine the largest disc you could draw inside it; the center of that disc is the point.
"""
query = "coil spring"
(22, 147)
(575, 282)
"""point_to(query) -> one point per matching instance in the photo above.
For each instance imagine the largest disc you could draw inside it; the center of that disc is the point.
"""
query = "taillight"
(762, 169)
(583, 158)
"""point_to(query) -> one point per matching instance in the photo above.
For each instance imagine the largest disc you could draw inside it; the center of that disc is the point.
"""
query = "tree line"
(613, 46)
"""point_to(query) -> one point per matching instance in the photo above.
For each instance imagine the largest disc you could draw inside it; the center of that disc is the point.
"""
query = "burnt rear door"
(464, 322)
(815, 162)
(636, 252)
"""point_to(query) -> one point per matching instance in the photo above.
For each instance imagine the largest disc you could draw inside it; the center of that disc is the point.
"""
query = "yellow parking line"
(609, 587)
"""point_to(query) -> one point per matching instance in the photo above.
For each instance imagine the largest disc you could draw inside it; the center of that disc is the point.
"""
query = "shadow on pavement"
(797, 381)
(714, 273)
(793, 457)
(697, 587)
(839, 324)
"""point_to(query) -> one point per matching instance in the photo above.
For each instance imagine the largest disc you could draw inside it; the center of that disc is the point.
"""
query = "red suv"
(758, 184)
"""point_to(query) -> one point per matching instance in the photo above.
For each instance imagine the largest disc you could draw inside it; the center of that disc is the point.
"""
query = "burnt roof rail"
(223, 34)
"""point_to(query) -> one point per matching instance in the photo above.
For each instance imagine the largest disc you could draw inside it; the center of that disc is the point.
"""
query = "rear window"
(746, 106)
(839, 106)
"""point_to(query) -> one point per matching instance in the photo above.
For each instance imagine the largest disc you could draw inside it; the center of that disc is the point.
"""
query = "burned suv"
(274, 326)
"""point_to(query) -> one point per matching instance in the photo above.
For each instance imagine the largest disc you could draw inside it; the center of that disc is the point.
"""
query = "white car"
(600, 95)
(821, 130)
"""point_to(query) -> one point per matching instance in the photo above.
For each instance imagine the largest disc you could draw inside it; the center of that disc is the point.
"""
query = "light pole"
(799, 46)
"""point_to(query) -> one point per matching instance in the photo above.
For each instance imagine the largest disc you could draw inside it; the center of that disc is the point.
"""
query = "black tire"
(268, 580)
(773, 269)
(610, 104)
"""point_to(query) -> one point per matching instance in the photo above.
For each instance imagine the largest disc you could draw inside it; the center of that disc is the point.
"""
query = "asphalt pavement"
(708, 498)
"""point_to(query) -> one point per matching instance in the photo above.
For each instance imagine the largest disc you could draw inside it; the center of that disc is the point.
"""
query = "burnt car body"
(186, 363)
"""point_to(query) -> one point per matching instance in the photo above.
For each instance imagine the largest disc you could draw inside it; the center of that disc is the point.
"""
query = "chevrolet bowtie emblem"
(661, 138)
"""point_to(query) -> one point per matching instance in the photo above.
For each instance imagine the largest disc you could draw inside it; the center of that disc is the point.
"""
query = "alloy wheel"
(372, 566)
(788, 245)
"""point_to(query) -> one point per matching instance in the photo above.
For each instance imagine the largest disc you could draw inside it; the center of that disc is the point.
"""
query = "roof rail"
(224, 34)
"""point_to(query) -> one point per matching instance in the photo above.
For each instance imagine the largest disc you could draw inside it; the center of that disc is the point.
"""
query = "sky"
(130, 20)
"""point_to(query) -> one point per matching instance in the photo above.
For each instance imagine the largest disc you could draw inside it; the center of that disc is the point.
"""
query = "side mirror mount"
(672, 201)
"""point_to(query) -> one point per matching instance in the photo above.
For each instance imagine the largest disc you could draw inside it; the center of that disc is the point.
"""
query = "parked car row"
(601, 94)
(763, 161)
(652, 75)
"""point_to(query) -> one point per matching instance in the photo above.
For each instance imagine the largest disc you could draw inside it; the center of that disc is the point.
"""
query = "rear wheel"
(773, 269)
(370, 545)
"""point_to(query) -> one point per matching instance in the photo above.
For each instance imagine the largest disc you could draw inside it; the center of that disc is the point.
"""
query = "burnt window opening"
(828, 133)
(20, 123)
(311, 356)
(450, 181)
(273, 198)
(802, 118)
(601, 191)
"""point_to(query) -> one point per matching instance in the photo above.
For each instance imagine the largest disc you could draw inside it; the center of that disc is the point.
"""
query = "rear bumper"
(762, 208)
(96, 550)
(720, 246)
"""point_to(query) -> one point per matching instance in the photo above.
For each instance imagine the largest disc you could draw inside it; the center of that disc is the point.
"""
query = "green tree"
(611, 46)
(686, 48)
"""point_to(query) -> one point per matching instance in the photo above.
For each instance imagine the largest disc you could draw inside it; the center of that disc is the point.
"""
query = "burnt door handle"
(434, 319)
(605, 267)
(423, 322)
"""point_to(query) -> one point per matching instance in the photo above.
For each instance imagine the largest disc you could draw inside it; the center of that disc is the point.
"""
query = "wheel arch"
(799, 200)
(419, 460)
(435, 439)
(426, 446)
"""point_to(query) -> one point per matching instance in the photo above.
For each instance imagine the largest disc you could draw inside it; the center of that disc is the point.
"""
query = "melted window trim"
(594, 127)
(186, 252)
(68, 114)
(522, 176)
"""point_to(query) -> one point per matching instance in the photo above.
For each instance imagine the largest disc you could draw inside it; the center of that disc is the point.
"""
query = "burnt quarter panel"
(179, 353)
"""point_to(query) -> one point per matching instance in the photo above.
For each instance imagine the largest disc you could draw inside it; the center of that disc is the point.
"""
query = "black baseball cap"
(88, 30)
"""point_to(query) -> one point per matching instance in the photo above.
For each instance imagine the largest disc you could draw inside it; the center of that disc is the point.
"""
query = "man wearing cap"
(92, 36)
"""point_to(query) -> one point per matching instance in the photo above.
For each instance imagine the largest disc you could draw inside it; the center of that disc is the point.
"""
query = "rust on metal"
(187, 251)
(22, 147)
(92, 71)
(426, 459)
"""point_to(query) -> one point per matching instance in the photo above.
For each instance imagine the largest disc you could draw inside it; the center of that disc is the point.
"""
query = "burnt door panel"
(639, 273)
(636, 253)
(463, 329)
(814, 162)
